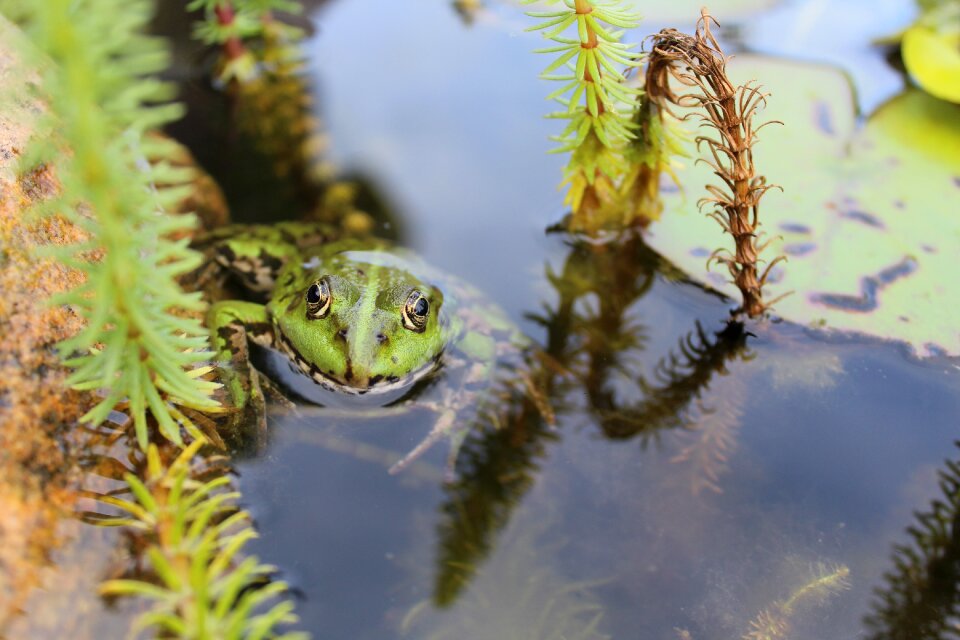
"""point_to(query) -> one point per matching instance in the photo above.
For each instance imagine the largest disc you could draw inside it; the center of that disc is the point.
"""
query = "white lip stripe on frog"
(331, 384)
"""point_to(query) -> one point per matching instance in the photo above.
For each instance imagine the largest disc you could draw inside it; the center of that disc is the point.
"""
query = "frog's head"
(360, 327)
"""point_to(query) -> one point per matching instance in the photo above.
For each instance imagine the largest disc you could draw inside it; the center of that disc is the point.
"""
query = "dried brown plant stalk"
(699, 63)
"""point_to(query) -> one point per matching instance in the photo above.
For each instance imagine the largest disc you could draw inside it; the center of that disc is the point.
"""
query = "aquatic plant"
(920, 599)
(143, 344)
(269, 104)
(711, 432)
(142, 341)
(228, 23)
(678, 379)
(519, 593)
(597, 103)
(193, 534)
(497, 465)
(774, 622)
(698, 62)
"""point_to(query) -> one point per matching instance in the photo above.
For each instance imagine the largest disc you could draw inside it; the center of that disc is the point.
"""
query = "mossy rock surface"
(868, 217)
(41, 444)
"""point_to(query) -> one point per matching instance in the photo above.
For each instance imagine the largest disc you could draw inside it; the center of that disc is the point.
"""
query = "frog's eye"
(415, 312)
(318, 299)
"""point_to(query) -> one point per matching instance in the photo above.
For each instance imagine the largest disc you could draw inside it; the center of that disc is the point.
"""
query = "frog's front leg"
(456, 413)
(442, 428)
(233, 324)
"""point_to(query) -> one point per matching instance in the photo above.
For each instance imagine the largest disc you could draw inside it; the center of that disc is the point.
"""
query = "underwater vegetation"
(143, 350)
(773, 623)
(921, 595)
(518, 596)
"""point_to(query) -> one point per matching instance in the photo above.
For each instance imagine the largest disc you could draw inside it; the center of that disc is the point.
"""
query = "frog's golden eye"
(318, 299)
(415, 311)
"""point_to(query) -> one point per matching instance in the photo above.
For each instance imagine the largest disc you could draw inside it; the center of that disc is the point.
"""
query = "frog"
(357, 319)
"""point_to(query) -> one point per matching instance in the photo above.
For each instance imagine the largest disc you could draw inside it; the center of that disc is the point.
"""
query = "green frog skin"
(359, 318)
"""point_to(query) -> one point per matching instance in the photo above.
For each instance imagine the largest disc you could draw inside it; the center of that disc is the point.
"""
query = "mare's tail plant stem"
(597, 104)
(698, 62)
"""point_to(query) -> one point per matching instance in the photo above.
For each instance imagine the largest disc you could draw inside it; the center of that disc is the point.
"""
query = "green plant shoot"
(140, 345)
(195, 534)
(598, 104)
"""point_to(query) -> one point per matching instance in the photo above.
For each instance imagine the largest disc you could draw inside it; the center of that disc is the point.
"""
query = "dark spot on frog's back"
(225, 254)
(227, 332)
(270, 261)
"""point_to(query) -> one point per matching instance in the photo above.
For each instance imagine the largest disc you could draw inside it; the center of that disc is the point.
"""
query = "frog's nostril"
(342, 334)
(381, 338)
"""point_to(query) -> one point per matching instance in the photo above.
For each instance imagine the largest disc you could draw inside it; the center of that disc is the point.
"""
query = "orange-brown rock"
(42, 544)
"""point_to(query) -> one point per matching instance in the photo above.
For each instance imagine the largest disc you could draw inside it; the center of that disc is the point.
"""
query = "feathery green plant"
(227, 23)
(139, 342)
(597, 103)
(194, 533)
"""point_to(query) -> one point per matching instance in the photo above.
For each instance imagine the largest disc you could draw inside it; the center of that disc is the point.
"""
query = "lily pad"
(868, 218)
(933, 59)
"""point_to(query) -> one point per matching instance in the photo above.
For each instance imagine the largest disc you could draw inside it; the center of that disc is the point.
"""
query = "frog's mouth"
(375, 386)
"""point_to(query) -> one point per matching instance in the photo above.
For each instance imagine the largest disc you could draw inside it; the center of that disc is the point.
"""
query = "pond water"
(674, 479)
(757, 480)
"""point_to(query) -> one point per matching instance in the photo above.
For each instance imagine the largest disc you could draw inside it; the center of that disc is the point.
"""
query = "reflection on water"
(648, 471)
(920, 595)
(782, 470)
(700, 480)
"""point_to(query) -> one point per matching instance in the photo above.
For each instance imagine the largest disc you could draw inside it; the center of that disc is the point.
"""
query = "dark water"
(740, 473)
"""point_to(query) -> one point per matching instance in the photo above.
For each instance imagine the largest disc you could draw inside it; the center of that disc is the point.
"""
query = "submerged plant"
(920, 599)
(194, 533)
(699, 63)
(775, 622)
(228, 23)
(712, 430)
(597, 103)
(261, 71)
(141, 342)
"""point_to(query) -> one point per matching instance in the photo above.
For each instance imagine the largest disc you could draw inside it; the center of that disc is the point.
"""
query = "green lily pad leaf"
(933, 60)
(869, 216)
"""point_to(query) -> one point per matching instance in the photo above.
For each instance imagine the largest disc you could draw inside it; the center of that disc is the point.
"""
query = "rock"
(42, 446)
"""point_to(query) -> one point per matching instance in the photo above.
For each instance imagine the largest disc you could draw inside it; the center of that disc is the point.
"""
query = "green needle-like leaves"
(139, 344)
(595, 100)
(195, 535)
